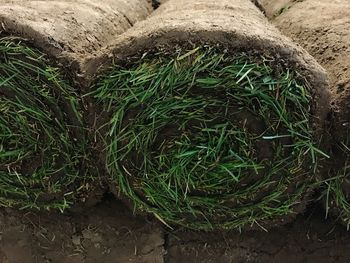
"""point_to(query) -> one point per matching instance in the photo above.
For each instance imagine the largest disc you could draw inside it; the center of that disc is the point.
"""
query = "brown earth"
(109, 233)
(105, 233)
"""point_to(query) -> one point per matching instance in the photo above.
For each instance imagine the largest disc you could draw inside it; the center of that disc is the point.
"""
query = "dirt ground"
(110, 233)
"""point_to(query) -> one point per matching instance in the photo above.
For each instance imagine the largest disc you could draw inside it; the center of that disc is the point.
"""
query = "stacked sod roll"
(213, 117)
(43, 142)
(322, 28)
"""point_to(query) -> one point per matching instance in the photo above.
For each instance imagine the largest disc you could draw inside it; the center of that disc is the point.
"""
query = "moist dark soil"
(109, 232)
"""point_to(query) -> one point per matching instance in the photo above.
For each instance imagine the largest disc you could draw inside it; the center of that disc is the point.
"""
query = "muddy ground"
(109, 232)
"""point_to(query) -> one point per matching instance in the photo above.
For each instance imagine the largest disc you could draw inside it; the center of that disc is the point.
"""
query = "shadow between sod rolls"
(336, 188)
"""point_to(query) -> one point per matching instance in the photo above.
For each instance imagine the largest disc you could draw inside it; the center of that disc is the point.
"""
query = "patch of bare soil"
(309, 239)
(109, 233)
(105, 233)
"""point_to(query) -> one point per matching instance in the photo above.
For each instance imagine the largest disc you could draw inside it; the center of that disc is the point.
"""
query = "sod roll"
(70, 29)
(213, 116)
(43, 142)
(322, 28)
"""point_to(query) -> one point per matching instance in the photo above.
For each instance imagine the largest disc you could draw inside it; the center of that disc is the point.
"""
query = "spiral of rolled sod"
(322, 28)
(41, 149)
(214, 117)
(43, 143)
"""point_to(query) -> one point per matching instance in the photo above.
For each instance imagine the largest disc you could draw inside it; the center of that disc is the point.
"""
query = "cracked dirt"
(109, 232)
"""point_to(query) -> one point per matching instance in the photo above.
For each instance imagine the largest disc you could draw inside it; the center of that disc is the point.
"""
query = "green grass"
(41, 147)
(208, 140)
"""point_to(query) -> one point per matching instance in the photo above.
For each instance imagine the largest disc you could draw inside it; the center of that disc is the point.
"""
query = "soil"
(109, 232)
(105, 233)
(274, 8)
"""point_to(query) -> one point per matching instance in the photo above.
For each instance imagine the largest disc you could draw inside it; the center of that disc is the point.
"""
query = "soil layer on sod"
(214, 118)
(322, 28)
(44, 148)
(70, 29)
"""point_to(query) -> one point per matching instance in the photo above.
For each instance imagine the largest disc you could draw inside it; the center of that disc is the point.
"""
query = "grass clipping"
(40, 144)
(208, 140)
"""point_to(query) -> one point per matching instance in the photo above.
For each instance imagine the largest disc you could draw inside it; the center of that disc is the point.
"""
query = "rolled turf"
(214, 117)
(44, 148)
(41, 148)
(322, 28)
